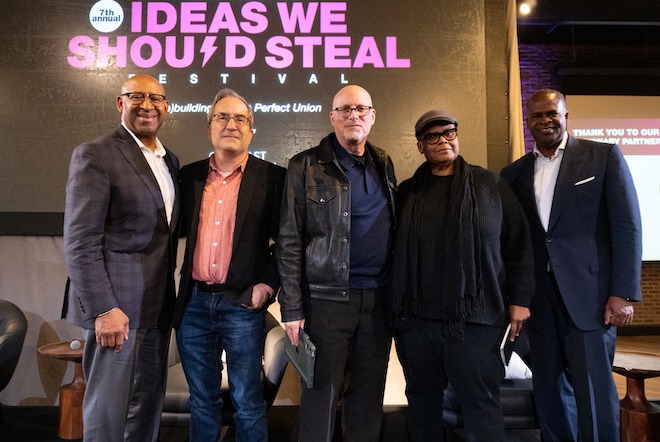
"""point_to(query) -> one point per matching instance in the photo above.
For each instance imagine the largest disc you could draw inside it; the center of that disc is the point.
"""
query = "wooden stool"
(640, 419)
(71, 395)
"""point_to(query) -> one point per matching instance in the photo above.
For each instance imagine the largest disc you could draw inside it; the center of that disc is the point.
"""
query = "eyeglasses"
(224, 118)
(139, 97)
(434, 137)
(345, 111)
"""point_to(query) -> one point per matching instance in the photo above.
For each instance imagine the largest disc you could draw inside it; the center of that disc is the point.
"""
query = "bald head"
(547, 95)
(351, 91)
(142, 80)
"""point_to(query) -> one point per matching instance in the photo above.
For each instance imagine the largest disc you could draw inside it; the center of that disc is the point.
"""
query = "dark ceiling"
(620, 22)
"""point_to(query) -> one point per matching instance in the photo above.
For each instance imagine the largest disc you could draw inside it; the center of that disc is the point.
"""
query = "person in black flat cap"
(462, 271)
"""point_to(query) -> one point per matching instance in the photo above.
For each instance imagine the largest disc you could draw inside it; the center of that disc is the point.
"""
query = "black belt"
(209, 288)
(376, 291)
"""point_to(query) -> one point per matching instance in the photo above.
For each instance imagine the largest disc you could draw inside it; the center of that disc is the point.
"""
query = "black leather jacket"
(313, 247)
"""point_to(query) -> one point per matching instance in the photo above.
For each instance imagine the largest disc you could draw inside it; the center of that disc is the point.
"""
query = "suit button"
(548, 240)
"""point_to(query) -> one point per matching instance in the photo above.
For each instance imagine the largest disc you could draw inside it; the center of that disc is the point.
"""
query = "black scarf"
(459, 279)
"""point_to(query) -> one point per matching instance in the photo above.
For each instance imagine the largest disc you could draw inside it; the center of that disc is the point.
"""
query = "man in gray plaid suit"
(120, 236)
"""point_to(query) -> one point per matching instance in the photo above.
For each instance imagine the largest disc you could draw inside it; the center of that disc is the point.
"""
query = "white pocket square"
(586, 180)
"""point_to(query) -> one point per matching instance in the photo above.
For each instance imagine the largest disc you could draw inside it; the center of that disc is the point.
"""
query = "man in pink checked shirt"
(230, 210)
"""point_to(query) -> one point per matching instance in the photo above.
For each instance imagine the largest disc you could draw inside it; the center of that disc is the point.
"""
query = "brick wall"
(540, 66)
(648, 311)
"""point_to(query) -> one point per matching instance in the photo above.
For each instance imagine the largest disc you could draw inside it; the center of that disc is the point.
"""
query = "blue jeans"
(209, 325)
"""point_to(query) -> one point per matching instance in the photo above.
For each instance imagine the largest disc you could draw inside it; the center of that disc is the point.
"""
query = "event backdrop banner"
(62, 63)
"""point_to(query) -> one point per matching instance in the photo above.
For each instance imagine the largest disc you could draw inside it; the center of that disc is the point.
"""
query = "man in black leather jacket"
(333, 255)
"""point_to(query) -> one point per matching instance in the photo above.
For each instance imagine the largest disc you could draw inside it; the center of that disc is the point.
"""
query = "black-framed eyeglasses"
(345, 111)
(434, 137)
(139, 97)
(223, 118)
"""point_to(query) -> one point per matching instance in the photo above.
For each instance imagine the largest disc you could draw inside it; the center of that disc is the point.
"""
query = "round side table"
(640, 419)
(71, 395)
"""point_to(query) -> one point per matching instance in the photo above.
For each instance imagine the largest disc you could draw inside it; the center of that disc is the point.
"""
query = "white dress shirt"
(156, 160)
(546, 171)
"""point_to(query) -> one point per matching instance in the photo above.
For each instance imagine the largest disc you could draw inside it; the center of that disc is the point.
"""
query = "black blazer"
(257, 224)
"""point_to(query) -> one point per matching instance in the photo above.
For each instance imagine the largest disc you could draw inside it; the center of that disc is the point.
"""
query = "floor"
(39, 424)
(639, 344)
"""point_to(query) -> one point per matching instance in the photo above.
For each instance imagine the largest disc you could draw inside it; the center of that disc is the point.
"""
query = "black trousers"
(430, 359)
(353, 344)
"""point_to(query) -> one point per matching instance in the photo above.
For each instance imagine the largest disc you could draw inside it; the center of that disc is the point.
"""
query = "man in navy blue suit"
(585, 224)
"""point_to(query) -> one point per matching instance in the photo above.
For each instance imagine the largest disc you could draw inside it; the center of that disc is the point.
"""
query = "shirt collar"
(240, 168)
(346, 160)
(160, 150)
(561, 147)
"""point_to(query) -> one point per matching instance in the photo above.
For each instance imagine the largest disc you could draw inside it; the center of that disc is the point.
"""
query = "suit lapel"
(198, 191)
(174, 173)
(570, 170)
(245, 195)
(131, 151)
(527, 195)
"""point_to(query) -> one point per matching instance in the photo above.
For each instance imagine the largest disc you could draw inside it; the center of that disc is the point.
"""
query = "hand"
(260, 294)
(518, 316)
(112, 329)
(293, 330)
(618, 311)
